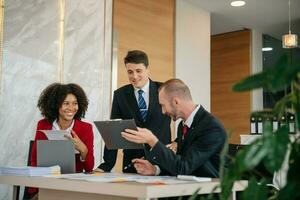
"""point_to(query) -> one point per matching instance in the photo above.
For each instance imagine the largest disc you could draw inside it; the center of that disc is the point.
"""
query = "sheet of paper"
(120, 177)
(56, 134)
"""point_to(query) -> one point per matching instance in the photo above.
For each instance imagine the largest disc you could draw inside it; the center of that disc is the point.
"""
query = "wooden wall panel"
(230, 62)
(147, 25)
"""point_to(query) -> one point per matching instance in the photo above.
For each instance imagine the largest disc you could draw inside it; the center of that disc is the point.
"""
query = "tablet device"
(56, 152)
(111, 133)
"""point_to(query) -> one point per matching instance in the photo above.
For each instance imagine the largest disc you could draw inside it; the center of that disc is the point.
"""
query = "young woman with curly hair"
(63, 106)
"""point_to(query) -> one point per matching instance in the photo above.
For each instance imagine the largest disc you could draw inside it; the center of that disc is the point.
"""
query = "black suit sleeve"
(110, 156)
(197, 154)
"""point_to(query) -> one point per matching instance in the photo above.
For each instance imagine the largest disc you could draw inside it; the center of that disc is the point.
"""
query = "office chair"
(26, 195)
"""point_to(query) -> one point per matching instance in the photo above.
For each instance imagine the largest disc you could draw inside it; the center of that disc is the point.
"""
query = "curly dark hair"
(53, 96)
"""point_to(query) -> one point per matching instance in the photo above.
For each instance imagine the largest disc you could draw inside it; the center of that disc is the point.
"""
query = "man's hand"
(172, 146)
(144, 167)
(141, 136)
(98, 170)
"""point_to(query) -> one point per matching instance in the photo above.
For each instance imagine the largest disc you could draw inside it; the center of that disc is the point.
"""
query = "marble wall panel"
(31, 62)
(84, 57)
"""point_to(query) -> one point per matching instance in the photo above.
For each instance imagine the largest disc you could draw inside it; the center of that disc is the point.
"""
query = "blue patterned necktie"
(142, 105)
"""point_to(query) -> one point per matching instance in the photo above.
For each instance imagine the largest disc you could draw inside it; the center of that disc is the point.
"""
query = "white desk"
(53, 189)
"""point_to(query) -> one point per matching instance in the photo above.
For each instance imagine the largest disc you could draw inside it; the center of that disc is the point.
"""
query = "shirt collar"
(145, 88)
(190, 119)
(55, 126)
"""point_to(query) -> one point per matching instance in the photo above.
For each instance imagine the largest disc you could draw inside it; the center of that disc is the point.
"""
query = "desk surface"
(125, 189)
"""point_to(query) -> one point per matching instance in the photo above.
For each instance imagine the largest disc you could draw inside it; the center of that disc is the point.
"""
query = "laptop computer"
(110, 131)
(56, 152)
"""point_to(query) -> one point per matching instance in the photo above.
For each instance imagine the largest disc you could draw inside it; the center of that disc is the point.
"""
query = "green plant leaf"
(194, 196)
(296, 91)
(251, 156)
(255, 191)
(229, 176)
(282, 104)
(276, 146)
(273, 79)
(251, 82)
(292, 189)
(294, 162)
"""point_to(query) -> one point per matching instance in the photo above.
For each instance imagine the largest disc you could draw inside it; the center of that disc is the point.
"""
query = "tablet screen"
(110, 131)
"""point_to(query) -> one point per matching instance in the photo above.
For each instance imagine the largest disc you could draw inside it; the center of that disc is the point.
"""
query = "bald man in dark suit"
(200, 140)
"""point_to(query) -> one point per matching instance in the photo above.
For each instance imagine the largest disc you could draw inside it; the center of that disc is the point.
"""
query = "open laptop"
(56, 152)
(111, 133)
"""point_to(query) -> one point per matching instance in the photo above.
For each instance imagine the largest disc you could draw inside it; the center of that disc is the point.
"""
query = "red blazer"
(85, 133)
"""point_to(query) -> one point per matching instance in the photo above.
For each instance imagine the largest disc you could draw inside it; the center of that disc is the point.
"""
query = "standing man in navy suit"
(139, 101)
(200, 139)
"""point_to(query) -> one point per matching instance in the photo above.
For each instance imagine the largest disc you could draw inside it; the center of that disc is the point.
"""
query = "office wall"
(231, 61)
(192, 48)
(148, 26)
(39, 48)
(257, 99)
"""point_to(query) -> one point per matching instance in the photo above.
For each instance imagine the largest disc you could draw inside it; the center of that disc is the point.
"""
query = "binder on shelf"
(275, 124)
(253, 125)
(259, 125)
(282, 121)
(291, 122)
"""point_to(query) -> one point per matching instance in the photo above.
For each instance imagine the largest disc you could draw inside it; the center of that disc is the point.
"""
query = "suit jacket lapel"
(152, 98)
(179, 138)
(132, 102)
(188, 139)
(192, 131)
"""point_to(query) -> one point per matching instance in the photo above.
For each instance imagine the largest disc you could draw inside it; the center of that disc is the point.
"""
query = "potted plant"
(271, 149)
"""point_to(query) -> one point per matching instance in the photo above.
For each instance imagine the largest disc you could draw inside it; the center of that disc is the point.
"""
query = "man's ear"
(175, 101)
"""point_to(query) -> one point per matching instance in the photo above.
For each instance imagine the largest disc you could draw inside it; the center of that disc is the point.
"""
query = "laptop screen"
(56, 152)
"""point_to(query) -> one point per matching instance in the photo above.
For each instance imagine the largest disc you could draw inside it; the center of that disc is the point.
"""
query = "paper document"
(193, 178)
(56, 134)
(120, 177)
(30, 171)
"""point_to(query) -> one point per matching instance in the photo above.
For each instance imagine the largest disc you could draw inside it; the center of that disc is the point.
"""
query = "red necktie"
(184, 130)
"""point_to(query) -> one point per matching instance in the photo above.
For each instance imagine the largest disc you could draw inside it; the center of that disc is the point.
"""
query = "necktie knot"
(140, 92)
(184, 130)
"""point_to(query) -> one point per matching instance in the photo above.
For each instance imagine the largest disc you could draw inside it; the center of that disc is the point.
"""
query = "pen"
(131, 164)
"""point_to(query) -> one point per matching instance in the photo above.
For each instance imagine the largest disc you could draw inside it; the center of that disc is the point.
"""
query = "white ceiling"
(267, 16)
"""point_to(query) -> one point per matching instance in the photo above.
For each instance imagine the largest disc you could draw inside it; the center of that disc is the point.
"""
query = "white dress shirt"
(145, 94)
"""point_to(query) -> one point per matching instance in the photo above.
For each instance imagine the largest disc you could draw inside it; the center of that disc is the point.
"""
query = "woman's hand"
(79, 145)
